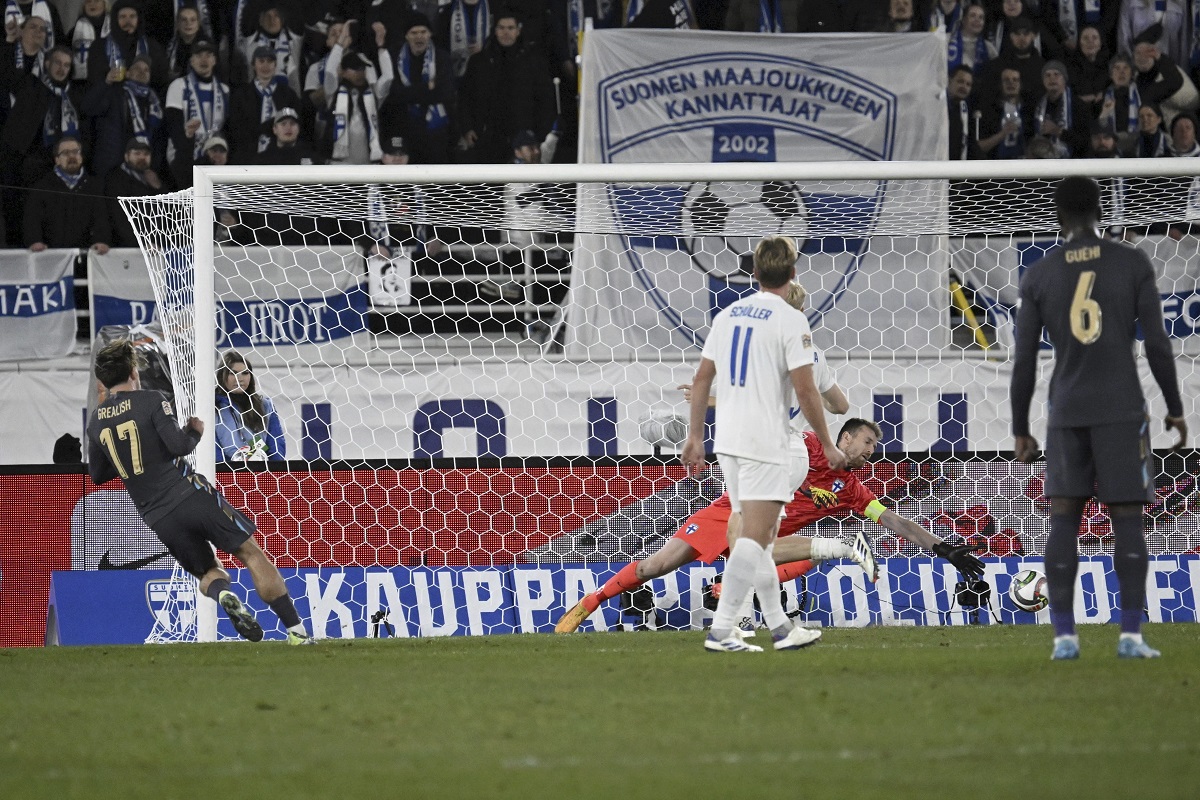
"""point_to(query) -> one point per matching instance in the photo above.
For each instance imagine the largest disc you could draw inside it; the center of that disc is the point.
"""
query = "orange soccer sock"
(625, 580)
(793, 569)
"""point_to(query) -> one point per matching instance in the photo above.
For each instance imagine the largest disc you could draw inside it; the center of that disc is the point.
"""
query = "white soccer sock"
(825, 549)
(766, 586)
(736, 583)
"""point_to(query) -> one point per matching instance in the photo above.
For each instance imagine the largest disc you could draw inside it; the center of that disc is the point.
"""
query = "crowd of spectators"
(124, 97)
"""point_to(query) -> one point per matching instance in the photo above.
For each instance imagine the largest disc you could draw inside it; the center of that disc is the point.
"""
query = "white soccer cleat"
(745, 633)
(733, 644)
(798, 637)
(864, 557)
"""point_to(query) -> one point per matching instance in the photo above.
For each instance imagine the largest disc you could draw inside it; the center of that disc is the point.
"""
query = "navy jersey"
(134, 435)
(1090, 295)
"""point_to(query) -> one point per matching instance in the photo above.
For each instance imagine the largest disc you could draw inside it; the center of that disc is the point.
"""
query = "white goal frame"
(206, 178)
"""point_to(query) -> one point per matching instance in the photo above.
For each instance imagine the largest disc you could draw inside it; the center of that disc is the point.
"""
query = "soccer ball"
(1028, 590)
(724, 221)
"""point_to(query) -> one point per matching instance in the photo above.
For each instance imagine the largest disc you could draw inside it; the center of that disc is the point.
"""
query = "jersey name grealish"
(755, 343)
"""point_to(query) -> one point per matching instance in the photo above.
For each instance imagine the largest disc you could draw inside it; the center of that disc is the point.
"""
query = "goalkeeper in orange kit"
(826, 492)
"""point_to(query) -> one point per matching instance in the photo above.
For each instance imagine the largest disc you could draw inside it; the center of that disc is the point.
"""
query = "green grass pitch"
(973, 713)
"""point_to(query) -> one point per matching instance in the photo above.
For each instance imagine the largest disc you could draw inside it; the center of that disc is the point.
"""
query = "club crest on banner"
(732, 97)
(172, 604)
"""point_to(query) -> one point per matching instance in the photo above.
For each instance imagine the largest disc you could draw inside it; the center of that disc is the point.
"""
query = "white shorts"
(798, 463)
(747, 479)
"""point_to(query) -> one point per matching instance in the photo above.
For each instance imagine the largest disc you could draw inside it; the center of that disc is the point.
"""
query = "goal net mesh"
(477, 384)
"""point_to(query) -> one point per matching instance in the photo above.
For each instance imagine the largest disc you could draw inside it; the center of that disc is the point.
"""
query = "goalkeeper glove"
(822, 498)
(962, 557)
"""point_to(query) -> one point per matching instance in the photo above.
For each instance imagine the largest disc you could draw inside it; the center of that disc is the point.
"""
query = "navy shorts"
(203, 518)
(1110, 462)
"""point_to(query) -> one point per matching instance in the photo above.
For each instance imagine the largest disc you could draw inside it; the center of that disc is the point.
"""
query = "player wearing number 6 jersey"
(758, 352)
(133, 434)
(1091, 296)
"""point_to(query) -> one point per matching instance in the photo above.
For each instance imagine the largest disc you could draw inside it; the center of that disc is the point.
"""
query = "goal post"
(470, 453)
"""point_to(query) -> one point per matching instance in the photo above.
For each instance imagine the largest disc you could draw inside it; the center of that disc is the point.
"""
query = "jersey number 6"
(1085, 312)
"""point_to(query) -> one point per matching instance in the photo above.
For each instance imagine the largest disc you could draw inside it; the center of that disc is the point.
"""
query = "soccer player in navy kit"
(133, 434)
(1091, 295)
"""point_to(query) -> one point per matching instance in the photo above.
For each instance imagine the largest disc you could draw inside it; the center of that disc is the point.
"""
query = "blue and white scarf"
(266, 105)
(940, 20)
(955, 51)
(1192, 152)
(343, 111)
(39, 60)
(770, 17)
(117, 58)
(12, 10)
(139, 96)
(1131, 115)
(131, 172)
(469, 26)
(82, 37)
(201, 7)
(435, 115)
(61, 117)
(1064, 118)
(211, 115)
(633, 9)
(1013, 144)
(72, 181)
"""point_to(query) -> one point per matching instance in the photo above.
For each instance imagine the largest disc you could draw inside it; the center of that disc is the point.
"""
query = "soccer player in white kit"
(758, 352)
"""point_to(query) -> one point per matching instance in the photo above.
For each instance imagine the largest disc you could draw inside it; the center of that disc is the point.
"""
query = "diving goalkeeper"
(826, 492)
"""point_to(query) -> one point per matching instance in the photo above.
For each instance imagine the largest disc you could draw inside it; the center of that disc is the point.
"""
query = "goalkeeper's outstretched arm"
(960, 556)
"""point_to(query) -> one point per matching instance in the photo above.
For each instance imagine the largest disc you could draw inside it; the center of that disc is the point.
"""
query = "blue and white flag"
(659, 96)
(37, 304)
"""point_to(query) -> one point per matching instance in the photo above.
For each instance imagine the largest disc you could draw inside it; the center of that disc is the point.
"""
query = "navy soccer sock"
(215, 587)
(1062, 564)
(1131, 563)
(285, 610)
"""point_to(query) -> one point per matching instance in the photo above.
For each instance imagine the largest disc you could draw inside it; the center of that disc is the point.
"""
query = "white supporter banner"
(655, 96)
(266, 295)
(37, 304)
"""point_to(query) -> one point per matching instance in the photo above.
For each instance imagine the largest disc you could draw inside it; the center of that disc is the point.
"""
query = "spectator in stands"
(93, 23)
(322, 79)
(179, 50)
(286, 147)
(901, 18)
(1103, 143)
(960, 107)
(421, 102)
(64, 209)
(946, 16)
(1088, 68)
(272, 32)
(1151, 141)
(22, 57)
(125, 41)
(1043, 42)
(248, 427)
(663, 14)
(1119, 107)
(120, 110)
(1006, 123)
(196, 108)
(46, 107)
(252, 108)
(966, 44)
(17, 11)
(1161, 81)
(462, 31)
(1018, 54)
(352, 135)
(134, 178)
(1163, 23)
(1183, 136)
(1061, 116)
(1066, 21)
(506, 89)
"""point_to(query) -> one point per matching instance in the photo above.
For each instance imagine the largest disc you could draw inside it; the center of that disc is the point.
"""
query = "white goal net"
(475, 371)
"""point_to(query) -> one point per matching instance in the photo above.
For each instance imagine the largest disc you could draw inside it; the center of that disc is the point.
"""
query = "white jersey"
(825, 379)
(755, 343)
